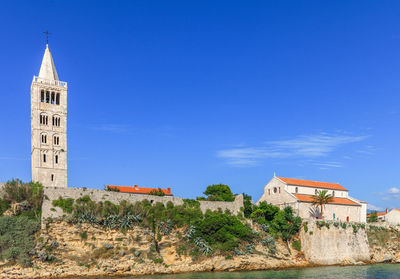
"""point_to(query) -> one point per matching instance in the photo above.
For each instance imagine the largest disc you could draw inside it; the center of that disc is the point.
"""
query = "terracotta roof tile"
(309, 198)
(310, 183)
(139, 190)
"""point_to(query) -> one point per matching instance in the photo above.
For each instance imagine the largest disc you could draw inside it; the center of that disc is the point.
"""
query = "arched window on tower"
(56, 140)
(53, 98)
(47, 97)
(43, 119)
(44, 138)
(42, 96)
(56, 121)
(44, 158)
(57, 98)
(56, 159)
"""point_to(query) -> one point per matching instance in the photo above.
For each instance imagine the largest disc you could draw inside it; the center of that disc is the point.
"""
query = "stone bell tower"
(49, 125)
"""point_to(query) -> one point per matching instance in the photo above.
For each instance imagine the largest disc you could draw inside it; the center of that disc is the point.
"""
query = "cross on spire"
(47, 36)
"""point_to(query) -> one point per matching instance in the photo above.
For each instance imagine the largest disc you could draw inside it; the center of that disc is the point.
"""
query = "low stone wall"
(51, 193)
(335, 245)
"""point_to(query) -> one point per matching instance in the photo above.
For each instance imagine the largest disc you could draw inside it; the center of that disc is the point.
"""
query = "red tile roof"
(383, 213)
(316, 184)
(139, 190)
(309, 198)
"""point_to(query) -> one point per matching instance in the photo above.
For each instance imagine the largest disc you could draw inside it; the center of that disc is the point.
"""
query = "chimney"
(169, 189)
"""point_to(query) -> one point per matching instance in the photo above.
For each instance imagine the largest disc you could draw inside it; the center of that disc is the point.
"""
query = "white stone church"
(49, 125)
(298, 194)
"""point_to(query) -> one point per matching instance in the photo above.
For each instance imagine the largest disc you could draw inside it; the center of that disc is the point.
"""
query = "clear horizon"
(185, 94)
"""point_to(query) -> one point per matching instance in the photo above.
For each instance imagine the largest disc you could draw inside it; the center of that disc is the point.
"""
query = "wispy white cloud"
(304, 146)
(391, 194)
(374, 207)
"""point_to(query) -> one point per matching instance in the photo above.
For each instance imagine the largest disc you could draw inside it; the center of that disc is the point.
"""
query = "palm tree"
(321, 198)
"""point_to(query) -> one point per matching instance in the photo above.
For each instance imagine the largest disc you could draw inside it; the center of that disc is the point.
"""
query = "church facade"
(49, 125)
(298, 194)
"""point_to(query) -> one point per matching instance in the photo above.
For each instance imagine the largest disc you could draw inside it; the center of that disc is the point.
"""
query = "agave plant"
(189, 233)
(87, 217)
(111, 222)
(265, 227)
(249, 248)
(202, 245)
(269, 241)
(237, 252)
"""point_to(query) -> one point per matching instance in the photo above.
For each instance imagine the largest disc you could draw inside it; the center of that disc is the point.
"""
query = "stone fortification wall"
(334, 245)
(51, 193)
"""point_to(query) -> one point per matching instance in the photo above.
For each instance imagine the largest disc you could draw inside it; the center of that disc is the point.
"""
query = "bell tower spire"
(49, 125)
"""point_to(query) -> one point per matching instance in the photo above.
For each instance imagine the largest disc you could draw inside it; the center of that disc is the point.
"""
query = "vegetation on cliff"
(278, 222)
(22, 203)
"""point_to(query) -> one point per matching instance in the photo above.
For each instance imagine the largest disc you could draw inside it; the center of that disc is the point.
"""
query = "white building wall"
(305, 190)
(393, 217)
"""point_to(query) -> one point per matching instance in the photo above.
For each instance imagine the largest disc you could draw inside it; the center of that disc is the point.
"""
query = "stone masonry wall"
(51, 193)
(334, 245)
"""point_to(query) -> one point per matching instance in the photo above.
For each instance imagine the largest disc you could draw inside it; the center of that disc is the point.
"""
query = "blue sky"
(184, 94)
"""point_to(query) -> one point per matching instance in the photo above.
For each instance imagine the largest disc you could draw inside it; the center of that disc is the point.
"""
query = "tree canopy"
(218, 192)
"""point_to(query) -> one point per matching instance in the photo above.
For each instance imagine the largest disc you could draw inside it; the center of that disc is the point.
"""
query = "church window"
(279, 190)
(297, 190)
(269, 191)
(56, 140)
(43, 119)
(42, 96)
(52, 177)
(56, 159)
(275, 190)
(57, 98)
(56, 121)
(47, 97)
(52, 98)
(44, 138)
(44, 158)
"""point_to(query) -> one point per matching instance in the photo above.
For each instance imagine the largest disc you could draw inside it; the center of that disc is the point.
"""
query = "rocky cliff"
(64, 250)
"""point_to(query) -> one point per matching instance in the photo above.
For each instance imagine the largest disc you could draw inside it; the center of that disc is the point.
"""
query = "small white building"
(298, 194)
(391, 217)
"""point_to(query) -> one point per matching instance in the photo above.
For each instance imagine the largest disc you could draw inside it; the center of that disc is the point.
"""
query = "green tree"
(373, 217)
(286, 224)
(219, 192)
(247, 205)
(264, 212)
(322, 198)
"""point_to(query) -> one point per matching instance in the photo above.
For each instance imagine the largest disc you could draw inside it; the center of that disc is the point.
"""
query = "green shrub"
(305, 228)
(336, 224)
(223, 229)
(296, 244)
(17, 191)
(158, 260)
(343, 225)
(4, 205)
(157, 192)
(17, 239)
(83, 235)
(65, 204)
